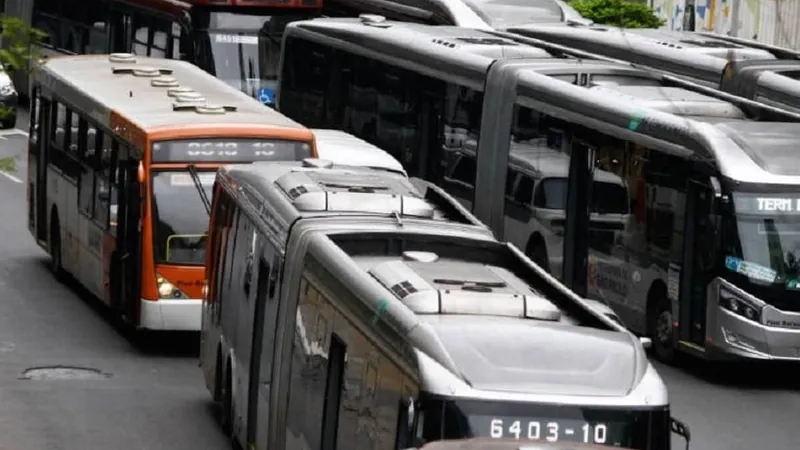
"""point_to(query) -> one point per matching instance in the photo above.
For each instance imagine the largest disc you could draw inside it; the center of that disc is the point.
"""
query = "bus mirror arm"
(681, 429)
(716, 187)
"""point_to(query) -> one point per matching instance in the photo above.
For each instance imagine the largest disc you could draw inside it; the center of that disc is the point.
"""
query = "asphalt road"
(150, 401)
(141, 401)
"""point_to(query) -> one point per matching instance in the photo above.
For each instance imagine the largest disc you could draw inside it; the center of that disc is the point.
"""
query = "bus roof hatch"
(340, 190)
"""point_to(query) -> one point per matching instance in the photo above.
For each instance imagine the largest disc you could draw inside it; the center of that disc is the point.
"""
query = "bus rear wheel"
(662, 330)
(226, 411)
(55, 250)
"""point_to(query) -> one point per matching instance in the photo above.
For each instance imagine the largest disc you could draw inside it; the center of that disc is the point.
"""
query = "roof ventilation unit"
(318, 163)
(190, 97)
(122, 58)
(373, 20)
(211, 109)
(167, 81)
(178, 91)
(462, 288)
(353, 191)
(140, 71)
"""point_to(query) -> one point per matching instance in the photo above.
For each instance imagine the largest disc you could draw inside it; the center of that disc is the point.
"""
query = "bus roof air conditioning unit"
(465, 288)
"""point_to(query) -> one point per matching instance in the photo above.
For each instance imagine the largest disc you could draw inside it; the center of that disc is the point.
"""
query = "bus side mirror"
(681, 429)
(646, 342)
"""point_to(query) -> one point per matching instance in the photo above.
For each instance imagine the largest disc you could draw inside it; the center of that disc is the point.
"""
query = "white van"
(344, 149)
(536, 192)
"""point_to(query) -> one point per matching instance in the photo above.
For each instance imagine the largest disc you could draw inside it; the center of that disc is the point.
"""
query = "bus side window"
(142, 36)
(71, 133)
(337, 354)
(34, 118)
(86, 188)
(174, 50)
(465, 169)
(103, 182)
(60, 117)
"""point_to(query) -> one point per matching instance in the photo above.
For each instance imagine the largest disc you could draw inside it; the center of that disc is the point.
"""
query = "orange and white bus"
(122, 157)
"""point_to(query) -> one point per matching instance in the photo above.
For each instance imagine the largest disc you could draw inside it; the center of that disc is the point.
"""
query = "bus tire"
(537, 252)
(56, 266)
(660, 327)
(217, 396)
(226, 411)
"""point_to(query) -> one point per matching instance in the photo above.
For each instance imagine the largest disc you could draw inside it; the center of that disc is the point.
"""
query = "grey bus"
(694, 265)
(745, 68)
(354, 309)
(480, 14)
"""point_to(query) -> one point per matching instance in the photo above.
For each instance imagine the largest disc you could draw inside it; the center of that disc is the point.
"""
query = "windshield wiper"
(199, 186)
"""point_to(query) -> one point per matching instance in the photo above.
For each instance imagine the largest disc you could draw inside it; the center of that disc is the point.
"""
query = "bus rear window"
(229, 150)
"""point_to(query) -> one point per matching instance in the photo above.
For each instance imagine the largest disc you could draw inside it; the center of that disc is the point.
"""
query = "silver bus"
(745, 68)
(344, 149)
(354, 309)
(496, 444)
(479, 14)
(695, 267)
(239, 44)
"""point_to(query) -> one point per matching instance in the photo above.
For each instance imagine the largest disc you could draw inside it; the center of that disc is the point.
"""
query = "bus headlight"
(739, 306)
(168, 290)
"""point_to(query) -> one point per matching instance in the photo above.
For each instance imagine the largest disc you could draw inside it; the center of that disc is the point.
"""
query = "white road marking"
(13, 132)
(10, 177)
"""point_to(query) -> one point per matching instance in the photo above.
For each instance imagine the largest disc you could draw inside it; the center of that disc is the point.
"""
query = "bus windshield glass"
(459, 418)
(180, 220)
(244, 50)
(764, 250)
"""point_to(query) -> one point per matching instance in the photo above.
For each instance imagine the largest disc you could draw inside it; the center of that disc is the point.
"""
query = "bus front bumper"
(733, 336)
(171, 315)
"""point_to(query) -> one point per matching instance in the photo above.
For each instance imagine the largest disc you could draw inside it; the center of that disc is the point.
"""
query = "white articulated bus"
(746, 68)
(696, 266)
(344, 149)
(348, 308)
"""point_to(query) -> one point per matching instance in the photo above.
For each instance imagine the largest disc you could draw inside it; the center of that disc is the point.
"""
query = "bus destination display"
(550, 430)
(230, 150)
(766, 204)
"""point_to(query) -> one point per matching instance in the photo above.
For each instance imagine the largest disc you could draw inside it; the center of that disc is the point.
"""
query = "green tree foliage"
(16, 51)
(618, 13)
(17, 37)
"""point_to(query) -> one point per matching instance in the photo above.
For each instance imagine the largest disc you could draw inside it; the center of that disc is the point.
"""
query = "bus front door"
(39, 145)
(127, 259)
(699, 256)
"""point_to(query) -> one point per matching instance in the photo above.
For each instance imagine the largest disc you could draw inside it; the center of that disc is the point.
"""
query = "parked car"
(8, 101)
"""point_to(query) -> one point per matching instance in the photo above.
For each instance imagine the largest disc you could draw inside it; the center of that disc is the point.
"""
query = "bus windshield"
(244, 51)
(766, 243)
(180, 221)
